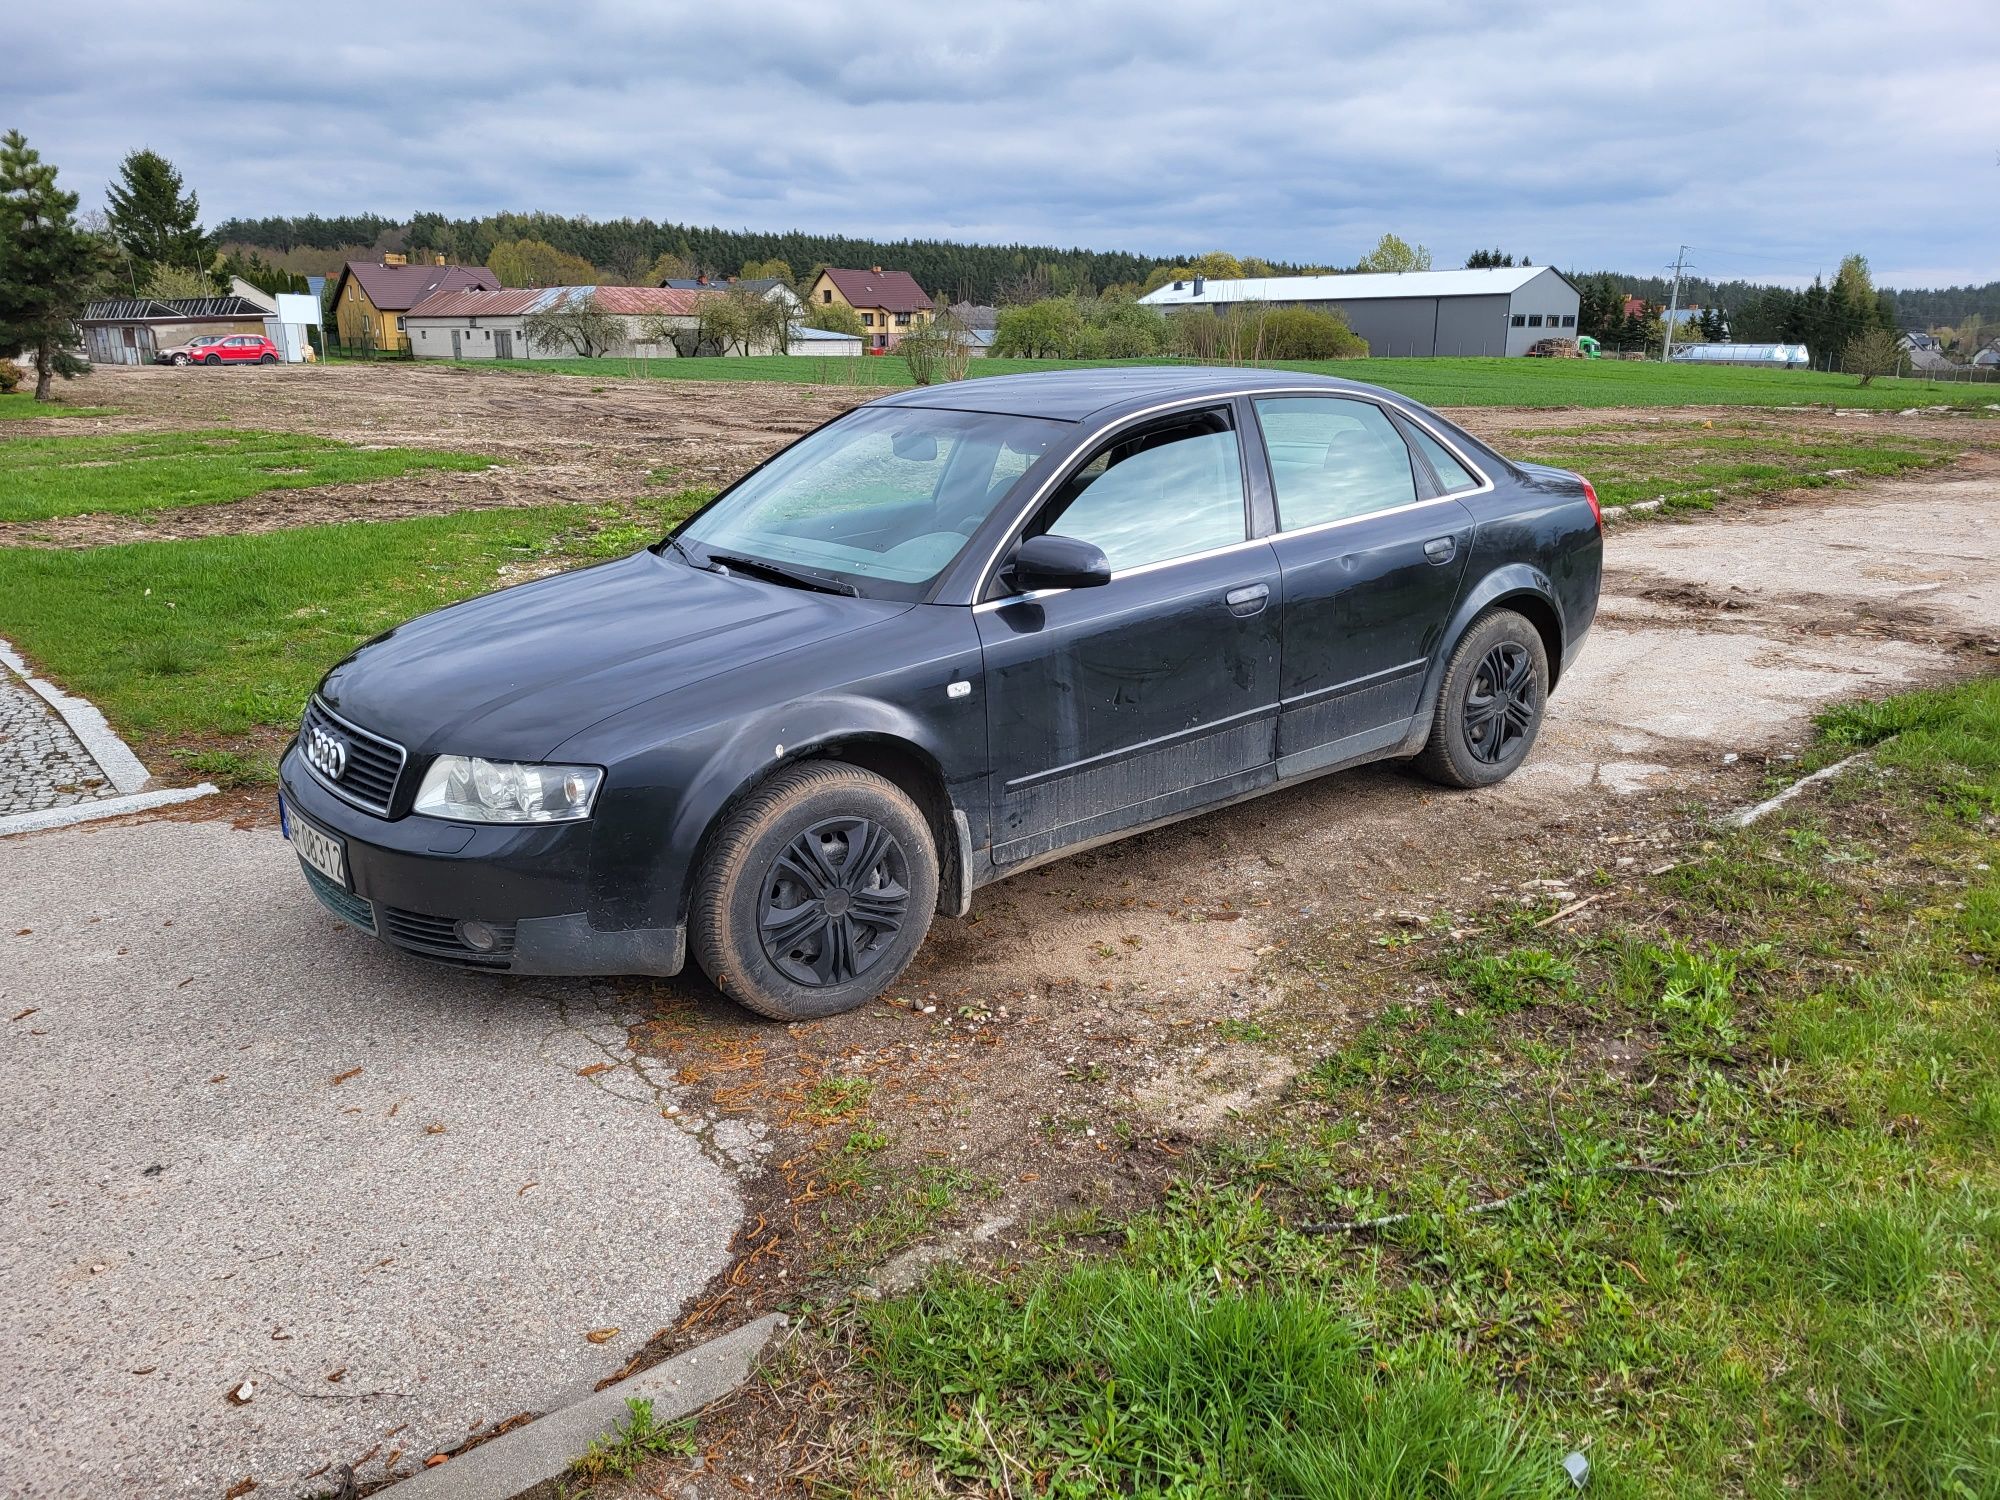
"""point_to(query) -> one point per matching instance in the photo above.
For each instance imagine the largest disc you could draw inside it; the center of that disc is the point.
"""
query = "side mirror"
(1058, 562)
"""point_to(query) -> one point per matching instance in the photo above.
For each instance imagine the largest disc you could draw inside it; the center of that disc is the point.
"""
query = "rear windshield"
(883, 499)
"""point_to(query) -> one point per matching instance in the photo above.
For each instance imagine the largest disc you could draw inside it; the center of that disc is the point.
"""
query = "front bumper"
(418, 884)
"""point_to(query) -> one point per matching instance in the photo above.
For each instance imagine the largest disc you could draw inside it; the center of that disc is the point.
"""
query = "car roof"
(1073, 395)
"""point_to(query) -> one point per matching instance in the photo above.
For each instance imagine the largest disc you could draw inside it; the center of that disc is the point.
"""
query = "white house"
(492, 325)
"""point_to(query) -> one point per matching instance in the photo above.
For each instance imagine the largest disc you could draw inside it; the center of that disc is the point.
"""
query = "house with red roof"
(890, 302)
(372, 299)
(493, 324)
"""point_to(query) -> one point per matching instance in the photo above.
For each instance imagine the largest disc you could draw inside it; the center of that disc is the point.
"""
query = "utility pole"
(1674, 304)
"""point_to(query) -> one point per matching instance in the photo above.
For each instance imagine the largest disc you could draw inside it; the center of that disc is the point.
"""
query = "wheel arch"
(1520, 587)
(906, 765)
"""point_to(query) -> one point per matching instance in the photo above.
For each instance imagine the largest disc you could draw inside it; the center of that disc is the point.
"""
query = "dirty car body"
(1040, 611)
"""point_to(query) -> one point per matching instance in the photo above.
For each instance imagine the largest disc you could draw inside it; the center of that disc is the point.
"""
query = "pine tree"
(153, 220)
(48, 265)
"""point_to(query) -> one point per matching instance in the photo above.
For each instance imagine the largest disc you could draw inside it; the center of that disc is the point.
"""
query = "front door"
(1372, 557)
(1155, 693)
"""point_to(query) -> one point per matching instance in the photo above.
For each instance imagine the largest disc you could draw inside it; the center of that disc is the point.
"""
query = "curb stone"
(546, 1447)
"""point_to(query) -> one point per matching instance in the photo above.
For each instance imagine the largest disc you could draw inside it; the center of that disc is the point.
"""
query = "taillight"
(1596, 510)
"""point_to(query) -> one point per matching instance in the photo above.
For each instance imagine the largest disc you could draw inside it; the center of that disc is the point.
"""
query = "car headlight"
(503, 791)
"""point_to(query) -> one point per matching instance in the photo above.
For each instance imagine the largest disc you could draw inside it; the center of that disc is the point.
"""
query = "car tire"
(1489, 704)
(267, 359)
(211, 359)
(180, 359)
(791, 847)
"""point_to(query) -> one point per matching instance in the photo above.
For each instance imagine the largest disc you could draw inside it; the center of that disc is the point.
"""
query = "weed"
(618, 1454)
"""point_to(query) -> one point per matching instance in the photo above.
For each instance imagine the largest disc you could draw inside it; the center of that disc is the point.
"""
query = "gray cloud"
(1773, 135)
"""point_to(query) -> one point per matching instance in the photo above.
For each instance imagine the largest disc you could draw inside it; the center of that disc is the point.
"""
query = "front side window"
(1333, 459)
(883, 499)
(1169, 489)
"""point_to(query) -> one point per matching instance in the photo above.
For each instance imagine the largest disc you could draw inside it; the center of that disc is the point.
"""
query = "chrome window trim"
(1212, 398)
(402, 761)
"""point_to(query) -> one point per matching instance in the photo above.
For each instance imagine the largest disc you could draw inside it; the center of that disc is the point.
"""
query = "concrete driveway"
(242, 1146)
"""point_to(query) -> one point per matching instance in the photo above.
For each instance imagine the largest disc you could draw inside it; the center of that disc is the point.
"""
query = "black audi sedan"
(947, 636)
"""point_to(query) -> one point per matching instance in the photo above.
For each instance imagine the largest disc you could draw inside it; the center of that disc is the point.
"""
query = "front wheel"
(1490, 703)
(180, 359)
(817, 893)
(211, 359)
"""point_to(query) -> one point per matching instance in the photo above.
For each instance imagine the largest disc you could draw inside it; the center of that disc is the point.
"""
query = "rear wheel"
(817, 893)
(1490, 703)
(267, 359)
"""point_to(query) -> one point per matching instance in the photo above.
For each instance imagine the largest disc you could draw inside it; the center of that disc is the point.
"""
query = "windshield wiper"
(676, 543)
(779, 573)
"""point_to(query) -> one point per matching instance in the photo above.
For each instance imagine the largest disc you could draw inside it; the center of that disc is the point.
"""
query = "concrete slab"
(247, 1145)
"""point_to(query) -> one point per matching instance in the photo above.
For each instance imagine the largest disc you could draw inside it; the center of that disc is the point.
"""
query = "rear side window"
(1452, 474)
(1333, 459)
(1167, 490)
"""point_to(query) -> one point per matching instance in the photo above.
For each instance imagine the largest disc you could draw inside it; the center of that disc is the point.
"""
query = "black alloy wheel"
(815, 893)
(1489, 703)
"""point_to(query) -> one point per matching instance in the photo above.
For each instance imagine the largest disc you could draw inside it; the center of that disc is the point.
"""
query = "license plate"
(320, 850)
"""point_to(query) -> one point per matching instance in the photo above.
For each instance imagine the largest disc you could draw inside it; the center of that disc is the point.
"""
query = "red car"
(236, 349)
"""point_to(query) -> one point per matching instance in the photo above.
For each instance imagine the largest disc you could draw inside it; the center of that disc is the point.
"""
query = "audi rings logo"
(325, 753)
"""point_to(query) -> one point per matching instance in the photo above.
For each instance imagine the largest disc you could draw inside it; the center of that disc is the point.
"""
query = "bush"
(1305, 333)
(1048, 329)
(10, 377)
(940, 350)
(1251, 331)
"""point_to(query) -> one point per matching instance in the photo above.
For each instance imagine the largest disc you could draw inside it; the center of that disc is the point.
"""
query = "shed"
(1499, 310)
(823, 342)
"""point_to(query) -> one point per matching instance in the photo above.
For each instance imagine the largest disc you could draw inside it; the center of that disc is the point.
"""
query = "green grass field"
(21, 406)
(1436, 382)
(1737, 1160)
(185, 642)
(1690, 465)
(43, 477)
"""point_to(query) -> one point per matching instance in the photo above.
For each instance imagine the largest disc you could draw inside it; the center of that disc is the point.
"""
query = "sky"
(1770, 136)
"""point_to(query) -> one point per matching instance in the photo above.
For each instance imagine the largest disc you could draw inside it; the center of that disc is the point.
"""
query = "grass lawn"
(186, 644)
(1436, 382)
(1709, 1191)
(1689, 465)
(41, 477)
(21, 406)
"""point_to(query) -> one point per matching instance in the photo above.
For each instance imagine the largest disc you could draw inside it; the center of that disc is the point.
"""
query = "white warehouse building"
(1505, 310)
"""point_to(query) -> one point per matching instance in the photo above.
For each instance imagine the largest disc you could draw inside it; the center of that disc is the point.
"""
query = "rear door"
(1155, 693)
(1372, 556)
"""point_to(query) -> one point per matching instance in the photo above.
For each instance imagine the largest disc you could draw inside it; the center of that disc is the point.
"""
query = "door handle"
(1247, 600)
(1439, 549)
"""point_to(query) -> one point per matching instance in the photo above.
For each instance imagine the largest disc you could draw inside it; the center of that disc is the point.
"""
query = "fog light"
(477, 936)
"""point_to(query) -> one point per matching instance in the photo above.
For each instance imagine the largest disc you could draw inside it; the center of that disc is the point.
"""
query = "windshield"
(882, 500)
